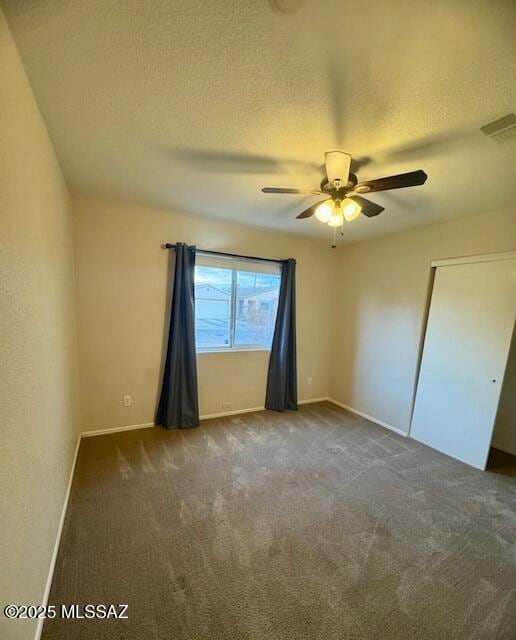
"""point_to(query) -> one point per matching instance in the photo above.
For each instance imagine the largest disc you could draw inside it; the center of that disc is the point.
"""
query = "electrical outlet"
(128, 401)
(226, 405)
(309, 380)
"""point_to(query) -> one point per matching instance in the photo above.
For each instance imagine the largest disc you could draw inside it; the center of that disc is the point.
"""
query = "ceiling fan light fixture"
(337, 218)
(340, 190)
(350, 209)
(325, 210)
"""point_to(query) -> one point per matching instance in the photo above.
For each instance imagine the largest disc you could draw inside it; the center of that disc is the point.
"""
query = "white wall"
(122, 281)
(38, 363)
(382, 287)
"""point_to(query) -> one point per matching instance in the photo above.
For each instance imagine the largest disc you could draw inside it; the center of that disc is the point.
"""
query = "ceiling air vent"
(286, 6)
(501, 130)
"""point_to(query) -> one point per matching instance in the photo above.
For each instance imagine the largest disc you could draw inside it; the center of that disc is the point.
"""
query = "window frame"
(231, 347)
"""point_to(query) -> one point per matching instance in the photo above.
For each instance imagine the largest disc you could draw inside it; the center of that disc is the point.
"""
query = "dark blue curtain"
(282, 378)
(179, 405)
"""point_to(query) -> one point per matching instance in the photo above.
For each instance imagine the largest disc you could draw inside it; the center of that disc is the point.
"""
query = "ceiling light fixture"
(340, 189)
(337, 217)
(335, 212)
(350, 209)
(325, 210)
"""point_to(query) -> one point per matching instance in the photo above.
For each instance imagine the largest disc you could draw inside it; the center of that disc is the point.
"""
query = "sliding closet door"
(466, 347)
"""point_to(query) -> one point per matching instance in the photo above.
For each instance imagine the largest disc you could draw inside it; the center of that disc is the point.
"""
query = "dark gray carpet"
(316, 524)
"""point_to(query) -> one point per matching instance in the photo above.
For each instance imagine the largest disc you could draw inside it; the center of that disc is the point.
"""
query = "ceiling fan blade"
(369, 209)
(358, 163)
(314, 192)
(337, 164)
(214, 161)
(410, 179)
(308, 213)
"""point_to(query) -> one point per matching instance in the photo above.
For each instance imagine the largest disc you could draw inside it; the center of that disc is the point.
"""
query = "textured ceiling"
(197, 105)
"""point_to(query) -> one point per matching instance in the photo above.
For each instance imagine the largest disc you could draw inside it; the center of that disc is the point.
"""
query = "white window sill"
(200, 352)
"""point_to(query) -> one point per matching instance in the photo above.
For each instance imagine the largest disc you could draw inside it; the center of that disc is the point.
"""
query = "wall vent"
(501, 130)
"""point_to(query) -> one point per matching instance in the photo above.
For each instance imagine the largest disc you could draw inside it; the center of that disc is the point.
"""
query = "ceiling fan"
(341, 190)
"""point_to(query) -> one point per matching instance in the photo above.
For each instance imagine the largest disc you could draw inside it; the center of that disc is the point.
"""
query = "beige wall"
(38, 364)
(122, 279)
(504, 435)
(374, 291)
(382, 296)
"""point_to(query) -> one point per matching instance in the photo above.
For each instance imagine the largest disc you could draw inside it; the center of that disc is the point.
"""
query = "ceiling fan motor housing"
(338, 165)
(341, 190)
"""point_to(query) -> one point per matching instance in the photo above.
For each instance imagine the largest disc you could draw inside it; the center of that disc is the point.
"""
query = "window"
(212, 307)
(235, 304)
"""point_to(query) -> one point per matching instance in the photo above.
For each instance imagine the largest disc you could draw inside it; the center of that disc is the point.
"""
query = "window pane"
(212, 307)
(256, 306)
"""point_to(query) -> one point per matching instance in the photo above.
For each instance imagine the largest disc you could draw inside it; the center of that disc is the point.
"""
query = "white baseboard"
(206, 416)
(46, 593)
(130, 427)
(505, 449)
(237, 411)
(400, 432)
(222, 414)
(312, 400)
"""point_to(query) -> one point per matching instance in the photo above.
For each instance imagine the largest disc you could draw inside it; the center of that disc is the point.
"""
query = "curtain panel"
(282, 376)
(179, 404)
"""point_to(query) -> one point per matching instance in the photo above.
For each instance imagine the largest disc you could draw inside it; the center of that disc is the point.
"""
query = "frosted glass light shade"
(350, 209)
(324, 211)
(336, 219)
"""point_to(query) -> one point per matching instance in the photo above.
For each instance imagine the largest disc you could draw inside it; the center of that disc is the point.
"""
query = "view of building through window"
(234, 308)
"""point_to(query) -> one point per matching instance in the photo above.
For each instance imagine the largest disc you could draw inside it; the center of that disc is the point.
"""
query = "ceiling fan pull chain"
(334, 244)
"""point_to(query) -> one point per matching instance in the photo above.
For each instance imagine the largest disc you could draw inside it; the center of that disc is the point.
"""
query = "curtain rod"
(168, 245)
